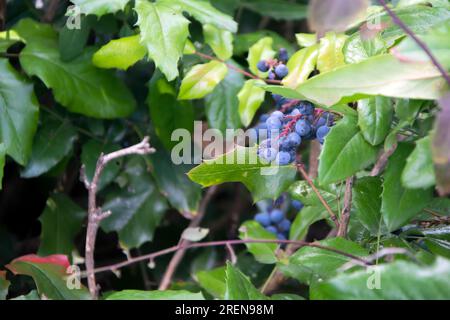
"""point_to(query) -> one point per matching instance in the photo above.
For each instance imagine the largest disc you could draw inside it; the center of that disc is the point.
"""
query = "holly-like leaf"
(300, 66)
(61, 221)
(239, 287)
(49, 274)
(221, 41)
(120, 53)
(164, 31)
(330, 52)
(399, 204)
(242, 165)
(335, 15)
(78, 85)
(277, 9)
(345, 152)
(136, 209)
(367, 202)
(310, 263)
(374, 118)
(213, 281)
(400, 280)
(222, 105)
(419, 170)
(250, 99)
(155, 295)
(90, 153)
(4, 285)
(263, 252)
(19, 113)
(204, 12)
(201, 80)
(261, 50)
(53, 141)
(167, 113)
(100, 7)
(183, 194)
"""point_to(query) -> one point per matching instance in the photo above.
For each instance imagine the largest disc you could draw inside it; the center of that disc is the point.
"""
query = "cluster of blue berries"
(286, 128)
(276, 67)
(274, 219)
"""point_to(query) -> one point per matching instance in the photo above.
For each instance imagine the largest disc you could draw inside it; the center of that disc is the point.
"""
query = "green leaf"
(304, 219)
(263, 252)
(374, 118)
(261, 50)
(121, 53)
(167, 113)
(367, 202)
(155, 295)
(136, 209)
(277, 9)
(221, 41)
(358, 47)
(19, 109)
(345, 152)
(309, 263)
(244, 41)
(305, 40)
(73, 41)
(100, 7)
(436, 39)
(357, 81)
(242, 165)
(300, 66)
(399, 205)
(2, 162)
(399, 280)
(330, 52)
(213, 281)
(182, 194)
(78, 85)
(164, 31)
(250, 99)
(204, 12)
(441, 146)
(419, 170)
(90, 152)
(4, 285)
(7, 39)
(239, 287)
(50, 276)
(53, 142)
(302, 191)
(222, 105)
(201, 80)
(61, 222)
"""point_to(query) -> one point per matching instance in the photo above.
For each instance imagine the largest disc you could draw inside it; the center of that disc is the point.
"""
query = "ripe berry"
(293, 139)
(271, 75)
(277, 114)
(271, 229)
(273, 123)
(263, 218)
(302, 127)
(284, 225)
(283, 55)
(281, 236)
(283, 158)
(322, 132)
(306, 108)
(264, 117)
(263, 66)
(297, 205)
(281, 71)
(268, 154)
(276, 216)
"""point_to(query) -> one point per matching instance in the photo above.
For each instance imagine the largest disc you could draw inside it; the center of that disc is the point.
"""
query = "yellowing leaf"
(250, 99)
(121, 53)
(300, 66)
(331, 55)
(202, 79)
(221, 41)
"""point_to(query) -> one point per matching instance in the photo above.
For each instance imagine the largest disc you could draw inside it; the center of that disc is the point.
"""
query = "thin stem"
(232, 67)
(419, 42)
(152, 256)
(301, 169)
(345, 215)
(269, 280)
(96, 214)
(179, 254)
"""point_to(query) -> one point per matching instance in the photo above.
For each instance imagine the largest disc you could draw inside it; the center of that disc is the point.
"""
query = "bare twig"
(51, 10)
(419, 42)
(345, 215)
(314, 154)
(223, 243)
(301, 169)
(232, 67)
(96, 214)
(179, 254)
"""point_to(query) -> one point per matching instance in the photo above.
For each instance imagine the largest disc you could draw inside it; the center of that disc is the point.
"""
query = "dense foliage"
(339, 190)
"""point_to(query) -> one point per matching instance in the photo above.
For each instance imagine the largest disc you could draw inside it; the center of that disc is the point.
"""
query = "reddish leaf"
(56, 259)
(441, 147)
